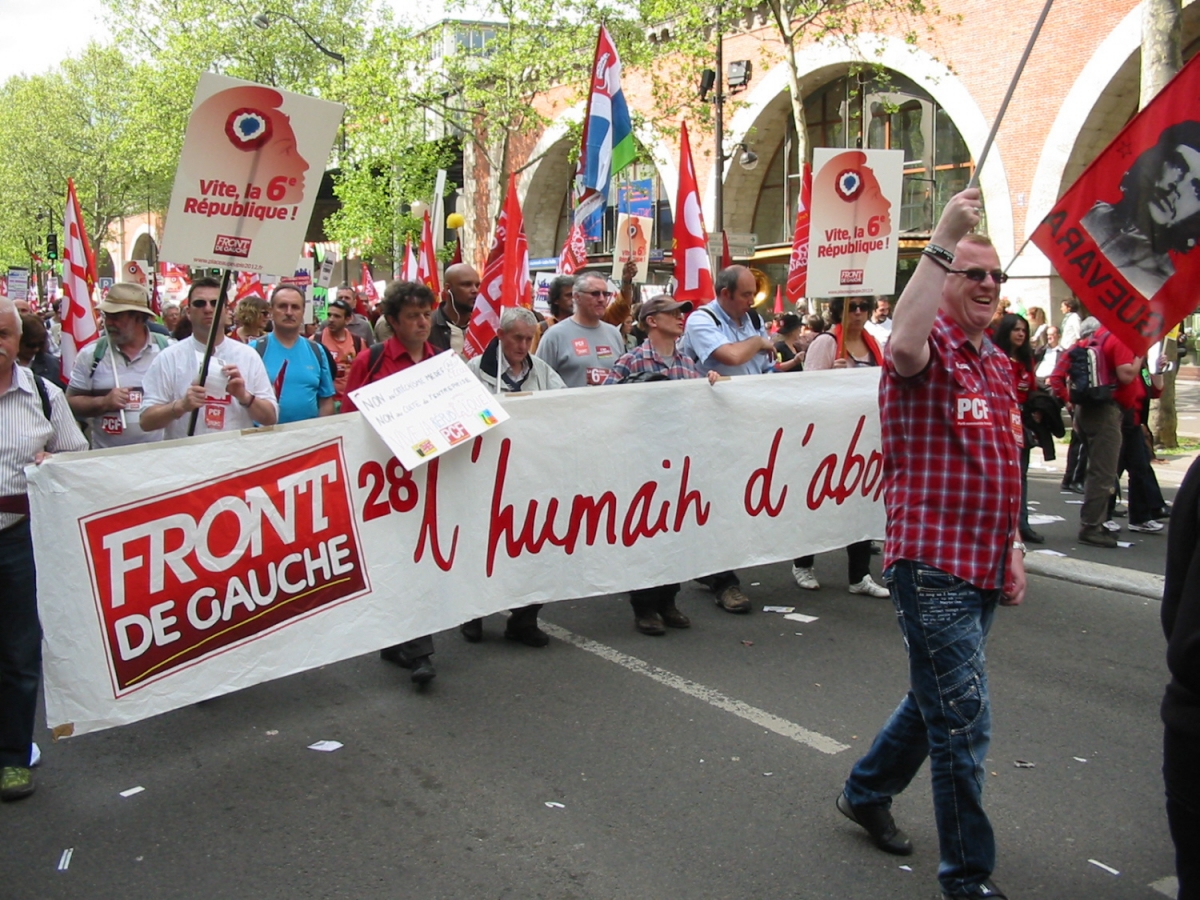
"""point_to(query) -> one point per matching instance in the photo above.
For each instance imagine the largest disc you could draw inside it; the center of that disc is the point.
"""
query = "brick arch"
(768, 100)
(543, 185)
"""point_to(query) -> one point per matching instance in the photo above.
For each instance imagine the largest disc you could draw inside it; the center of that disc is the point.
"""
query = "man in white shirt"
(880, 324)
(106, 380)
(237, 393)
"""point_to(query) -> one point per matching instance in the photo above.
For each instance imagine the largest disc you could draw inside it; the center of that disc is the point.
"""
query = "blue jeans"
(20, 645)
(945, 716)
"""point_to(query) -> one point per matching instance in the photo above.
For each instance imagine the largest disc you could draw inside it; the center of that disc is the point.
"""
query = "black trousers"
(1182, 777)
(653, 600)
(858, 559)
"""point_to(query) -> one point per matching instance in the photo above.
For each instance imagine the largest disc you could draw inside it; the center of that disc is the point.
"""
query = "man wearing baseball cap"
(106, 380)
(658, 358)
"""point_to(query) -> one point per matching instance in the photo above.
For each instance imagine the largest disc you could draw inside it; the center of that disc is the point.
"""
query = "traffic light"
(52, 246)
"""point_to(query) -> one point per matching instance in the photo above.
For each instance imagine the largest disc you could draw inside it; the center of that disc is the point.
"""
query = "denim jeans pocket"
(928, 580)
(965, 704)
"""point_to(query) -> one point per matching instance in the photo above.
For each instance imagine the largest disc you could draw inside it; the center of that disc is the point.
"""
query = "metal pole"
(719, 115)
(217, 326)
(1012, 86)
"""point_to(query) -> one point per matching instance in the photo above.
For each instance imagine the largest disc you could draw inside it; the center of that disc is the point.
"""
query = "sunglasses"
(860, 307)
(607, 295)
(977, 275)
(201, 303)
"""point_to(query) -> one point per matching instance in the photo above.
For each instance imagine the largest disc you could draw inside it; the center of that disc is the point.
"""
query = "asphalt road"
(685, 766)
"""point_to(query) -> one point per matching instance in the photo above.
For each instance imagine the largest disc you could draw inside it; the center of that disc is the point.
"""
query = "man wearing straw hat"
(106, 380)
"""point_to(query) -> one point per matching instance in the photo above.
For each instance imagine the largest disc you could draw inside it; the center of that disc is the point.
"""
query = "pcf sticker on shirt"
(581, 346)
(1018, 426)
(603, 350)
(972, 411)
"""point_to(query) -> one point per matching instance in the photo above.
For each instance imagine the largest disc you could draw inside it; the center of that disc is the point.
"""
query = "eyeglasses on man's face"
(607, 295)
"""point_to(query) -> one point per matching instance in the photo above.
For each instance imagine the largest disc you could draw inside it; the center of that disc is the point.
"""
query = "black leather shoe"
(472, 631)
(529, 635)
(986, 889)
(1032, 537)
(393, 655)
(651, 624)
(422, 671)
(673, 618)
(879, 824)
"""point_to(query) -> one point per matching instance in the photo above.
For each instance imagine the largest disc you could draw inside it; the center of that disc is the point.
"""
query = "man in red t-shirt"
(408, 308)
(342, 343)
(952, 488)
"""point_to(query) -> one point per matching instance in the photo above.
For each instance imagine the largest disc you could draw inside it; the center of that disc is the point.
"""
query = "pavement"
(699, 765)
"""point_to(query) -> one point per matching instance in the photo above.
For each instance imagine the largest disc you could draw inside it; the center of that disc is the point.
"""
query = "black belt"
(16, 504)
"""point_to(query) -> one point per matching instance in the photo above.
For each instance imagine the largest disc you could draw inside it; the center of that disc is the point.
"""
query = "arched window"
(895, 114)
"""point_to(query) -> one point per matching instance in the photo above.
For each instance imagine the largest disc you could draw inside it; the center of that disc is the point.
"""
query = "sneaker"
(1112, 526)
(1097, 537)
(1150, 526)
(879, 824)
(986, 889)
(16, 783)
(870, 588)
(806, 578)
(733, 600)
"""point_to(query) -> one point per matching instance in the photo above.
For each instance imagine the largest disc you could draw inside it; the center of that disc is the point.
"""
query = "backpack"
(1090, 379)
(260, 347)
(102, 347)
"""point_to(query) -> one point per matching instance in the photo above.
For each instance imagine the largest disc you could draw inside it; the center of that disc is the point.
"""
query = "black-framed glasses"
(607, 295)
(977, 275)
(861, 306)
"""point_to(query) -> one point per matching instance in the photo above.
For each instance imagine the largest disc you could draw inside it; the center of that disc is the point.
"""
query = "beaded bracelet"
(940, 255)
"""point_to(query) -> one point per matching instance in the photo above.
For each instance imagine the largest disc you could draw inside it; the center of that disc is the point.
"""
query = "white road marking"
(752, 714)
(1168, 887)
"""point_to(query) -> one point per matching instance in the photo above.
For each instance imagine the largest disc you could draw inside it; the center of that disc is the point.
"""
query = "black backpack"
(1090, 380)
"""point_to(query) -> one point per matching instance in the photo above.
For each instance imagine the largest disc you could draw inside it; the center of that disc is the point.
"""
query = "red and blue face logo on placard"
(248, 129)
(848, 184)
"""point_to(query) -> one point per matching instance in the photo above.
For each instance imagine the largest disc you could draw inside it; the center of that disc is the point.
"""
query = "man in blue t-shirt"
(297, 367)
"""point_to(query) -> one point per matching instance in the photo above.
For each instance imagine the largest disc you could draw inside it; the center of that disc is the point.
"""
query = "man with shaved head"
(35, 421)
(453, 315)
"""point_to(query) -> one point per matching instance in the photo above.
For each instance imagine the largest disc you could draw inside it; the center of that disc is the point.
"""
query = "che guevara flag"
(1124, 236)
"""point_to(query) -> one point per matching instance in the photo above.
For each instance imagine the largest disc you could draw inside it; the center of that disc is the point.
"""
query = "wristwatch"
(1019, 545)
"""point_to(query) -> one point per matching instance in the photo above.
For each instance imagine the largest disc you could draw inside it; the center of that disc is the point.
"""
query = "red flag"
(726, 256)
(1123, 236)
(408, 269)
(277, 384)
(427, 269)
(456, 258)
(778, 300)
(368, 286)
(574, 251)
(797, 280)
(693, 274)
(505, 277)
(249, 285)
(79, 326)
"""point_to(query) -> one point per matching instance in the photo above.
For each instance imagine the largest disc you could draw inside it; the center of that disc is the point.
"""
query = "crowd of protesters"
(953, 334)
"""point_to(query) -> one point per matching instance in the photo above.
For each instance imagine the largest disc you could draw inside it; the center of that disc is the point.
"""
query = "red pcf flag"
(797, 279)
(574, 251)
(427, 270)
(693, 274)
(79, 326)
(408, 270)
(1122, 237)
(368, 286)
(505, 279)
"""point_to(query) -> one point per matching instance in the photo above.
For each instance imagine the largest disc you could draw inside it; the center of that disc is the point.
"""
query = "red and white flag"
(368, 286)
(505, 277)
(79, 327)
(249, 285)
(797, 279)
(408, 268)
(427, 264)
(693, 273)
(574, 251)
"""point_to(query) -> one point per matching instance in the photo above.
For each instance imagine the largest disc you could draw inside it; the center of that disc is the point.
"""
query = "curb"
(1110, 578)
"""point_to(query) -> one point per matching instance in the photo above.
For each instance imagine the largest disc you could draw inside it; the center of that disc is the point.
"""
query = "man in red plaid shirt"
(951, 443)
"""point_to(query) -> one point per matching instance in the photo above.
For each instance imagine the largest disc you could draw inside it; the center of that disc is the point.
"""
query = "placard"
(423, 411)
(248, 176)
(632, 245)
(854, 232)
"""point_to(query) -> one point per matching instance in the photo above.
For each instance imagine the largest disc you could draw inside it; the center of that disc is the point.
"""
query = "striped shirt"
(952, 477)
(646, 359)
(25, 431)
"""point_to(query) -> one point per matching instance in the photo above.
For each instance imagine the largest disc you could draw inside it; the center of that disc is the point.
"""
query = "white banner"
(854, 232)
(248, 176)
(185, 570)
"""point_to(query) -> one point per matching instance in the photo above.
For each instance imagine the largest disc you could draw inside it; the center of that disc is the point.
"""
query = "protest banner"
(136, 271)
(248, 176)
(428, 408)
(179, 571)
(632, 245)
(852, 241)
(1122, 238)
(18, 282)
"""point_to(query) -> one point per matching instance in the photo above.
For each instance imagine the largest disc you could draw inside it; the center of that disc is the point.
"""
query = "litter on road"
(554, 804)
(326, 746)
(131, 791)
(800, 617)
(65, 860)
(1109, 869)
